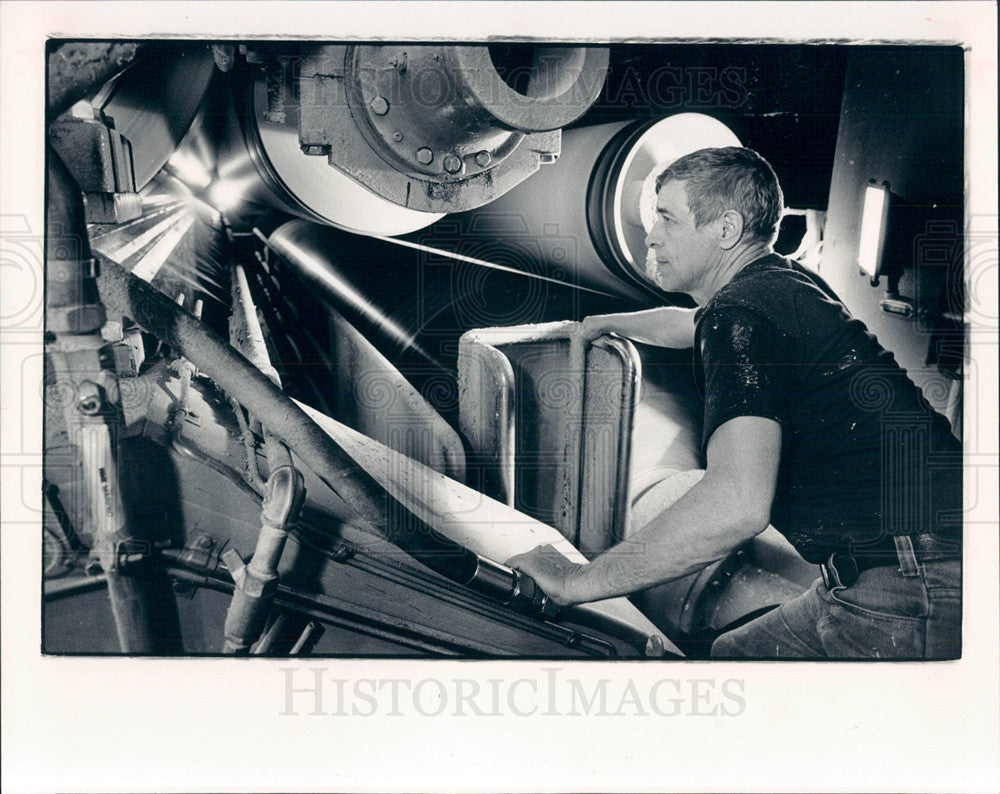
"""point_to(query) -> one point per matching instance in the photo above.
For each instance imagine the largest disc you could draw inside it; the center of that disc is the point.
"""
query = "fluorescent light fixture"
(874, 217)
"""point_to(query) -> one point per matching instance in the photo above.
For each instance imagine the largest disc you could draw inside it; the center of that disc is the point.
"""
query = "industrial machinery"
(311, 366)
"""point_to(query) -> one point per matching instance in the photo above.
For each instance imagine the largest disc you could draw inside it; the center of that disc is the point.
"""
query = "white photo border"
(110, 724)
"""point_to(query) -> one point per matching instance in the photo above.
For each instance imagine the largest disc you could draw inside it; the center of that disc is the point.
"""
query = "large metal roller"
(413, 305)
(584, 219)
(154, 102)
(386, 139)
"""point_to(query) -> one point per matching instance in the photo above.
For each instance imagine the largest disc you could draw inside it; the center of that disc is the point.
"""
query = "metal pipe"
(72, 303)
(257, 582)
(354, 618)
(78, 68)
(245, 332)
(415, 303)
(237, 376)
(331, 612)
(304, 246)
(141, 603)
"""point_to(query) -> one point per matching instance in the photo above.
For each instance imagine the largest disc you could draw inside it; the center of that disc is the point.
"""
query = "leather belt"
(905, 552)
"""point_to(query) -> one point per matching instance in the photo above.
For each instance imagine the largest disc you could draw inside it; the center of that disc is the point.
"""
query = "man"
(809, 425)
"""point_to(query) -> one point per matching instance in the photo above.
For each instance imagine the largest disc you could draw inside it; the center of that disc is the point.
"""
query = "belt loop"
(908, 564)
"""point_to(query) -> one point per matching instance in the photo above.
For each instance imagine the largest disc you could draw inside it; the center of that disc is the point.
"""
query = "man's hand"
(551, 571)
(728, 506)
(594, 326)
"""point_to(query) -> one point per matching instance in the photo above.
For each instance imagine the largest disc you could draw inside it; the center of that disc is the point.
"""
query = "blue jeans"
(884, 615)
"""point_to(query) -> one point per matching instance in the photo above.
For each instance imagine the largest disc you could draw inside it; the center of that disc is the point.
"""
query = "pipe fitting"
(454, 98)
(248, 582)
(285, 494)
(408, 120)
(257, 582)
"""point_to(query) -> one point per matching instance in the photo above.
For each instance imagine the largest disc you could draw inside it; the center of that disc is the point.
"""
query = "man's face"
(680, 254)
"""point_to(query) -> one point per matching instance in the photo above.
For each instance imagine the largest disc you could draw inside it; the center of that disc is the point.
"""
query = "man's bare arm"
(730, 505)
(664, 326)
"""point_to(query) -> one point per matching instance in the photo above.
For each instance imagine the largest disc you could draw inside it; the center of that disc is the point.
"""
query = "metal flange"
(436, 128)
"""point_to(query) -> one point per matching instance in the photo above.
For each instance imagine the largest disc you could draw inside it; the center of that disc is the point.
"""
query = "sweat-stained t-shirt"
(862, 453)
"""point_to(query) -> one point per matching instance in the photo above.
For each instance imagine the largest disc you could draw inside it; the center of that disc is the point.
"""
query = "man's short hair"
(730, 178)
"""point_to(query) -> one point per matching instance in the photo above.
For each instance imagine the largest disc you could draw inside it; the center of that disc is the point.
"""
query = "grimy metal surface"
(76, 67)
(437, 128)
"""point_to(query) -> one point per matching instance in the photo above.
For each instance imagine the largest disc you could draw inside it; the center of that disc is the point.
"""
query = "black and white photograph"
(433, 389)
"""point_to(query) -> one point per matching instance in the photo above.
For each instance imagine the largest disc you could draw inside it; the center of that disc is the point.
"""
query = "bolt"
(316, 149)
(343, 551)
(425, 156)
(397, 136)
(452, 164)
(483, 158)
(547, 158)
(379, 106)
(205, 542)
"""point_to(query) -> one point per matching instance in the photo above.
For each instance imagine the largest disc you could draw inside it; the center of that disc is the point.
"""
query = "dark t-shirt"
(862, 453)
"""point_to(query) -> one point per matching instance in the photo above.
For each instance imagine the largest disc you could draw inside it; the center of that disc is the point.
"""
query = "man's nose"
(653, 236)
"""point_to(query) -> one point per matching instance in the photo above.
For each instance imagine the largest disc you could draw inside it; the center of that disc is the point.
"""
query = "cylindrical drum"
(384, 140)
(584, 219)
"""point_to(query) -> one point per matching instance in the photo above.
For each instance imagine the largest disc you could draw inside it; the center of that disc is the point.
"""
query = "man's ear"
(730, 229)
